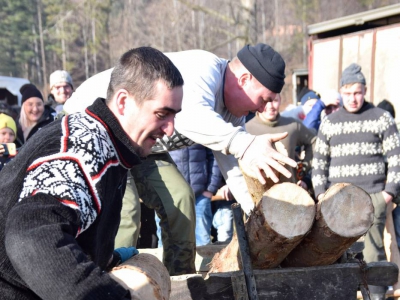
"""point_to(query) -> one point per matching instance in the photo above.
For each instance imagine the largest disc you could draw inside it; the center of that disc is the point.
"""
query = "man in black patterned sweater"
(61, 197)
(350, 148)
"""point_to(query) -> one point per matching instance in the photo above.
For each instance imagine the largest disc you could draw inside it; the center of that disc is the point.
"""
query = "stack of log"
(288, 229)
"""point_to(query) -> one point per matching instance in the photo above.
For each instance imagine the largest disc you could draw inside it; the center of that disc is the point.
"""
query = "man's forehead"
(61, 84)
(351, 87)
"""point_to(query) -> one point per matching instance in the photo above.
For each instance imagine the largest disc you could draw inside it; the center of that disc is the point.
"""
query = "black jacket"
(60, 203)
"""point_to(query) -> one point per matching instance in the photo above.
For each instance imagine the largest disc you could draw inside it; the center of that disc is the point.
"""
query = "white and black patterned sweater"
(60, 203)
(351, 147)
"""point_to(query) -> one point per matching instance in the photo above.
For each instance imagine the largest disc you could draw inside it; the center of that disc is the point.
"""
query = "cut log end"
(144, 276)
(289, 209)
(347, 210)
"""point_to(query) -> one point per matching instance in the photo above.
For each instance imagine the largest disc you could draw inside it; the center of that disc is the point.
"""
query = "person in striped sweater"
(350, 147)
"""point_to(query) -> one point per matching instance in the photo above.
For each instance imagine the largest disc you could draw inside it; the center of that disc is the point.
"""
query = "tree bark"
(278, 224)
(39, 11)
(343, 215)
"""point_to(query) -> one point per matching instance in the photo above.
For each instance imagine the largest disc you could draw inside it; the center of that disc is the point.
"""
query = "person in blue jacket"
(329, 103)
(199, 168)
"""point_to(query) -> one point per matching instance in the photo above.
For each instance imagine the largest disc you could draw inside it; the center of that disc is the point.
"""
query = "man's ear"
(120, 98)
(244, 79)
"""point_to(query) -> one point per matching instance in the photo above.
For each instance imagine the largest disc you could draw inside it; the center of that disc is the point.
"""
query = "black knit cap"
(28, 91)
(265, 64)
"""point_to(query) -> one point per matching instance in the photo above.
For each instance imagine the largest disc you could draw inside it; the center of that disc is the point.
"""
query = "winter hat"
(308, 96)
(333, 94)
(60, 76)
(7, 122)
(265, 64)
(28, 91)
(386, 105)
(352, 74)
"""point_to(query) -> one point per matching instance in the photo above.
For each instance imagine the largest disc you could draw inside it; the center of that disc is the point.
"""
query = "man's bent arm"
(234, 179)
(40, 242)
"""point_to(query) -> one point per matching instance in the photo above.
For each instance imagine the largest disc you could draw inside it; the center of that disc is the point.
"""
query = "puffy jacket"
(199, 168)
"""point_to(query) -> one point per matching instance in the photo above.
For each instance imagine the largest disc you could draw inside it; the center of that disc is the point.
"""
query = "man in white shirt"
(217, 95)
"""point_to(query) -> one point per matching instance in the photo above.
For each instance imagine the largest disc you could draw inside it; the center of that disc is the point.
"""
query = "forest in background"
(85, 37)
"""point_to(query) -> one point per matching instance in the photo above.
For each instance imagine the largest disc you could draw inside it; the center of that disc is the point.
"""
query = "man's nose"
(262, 107)
(168, 127)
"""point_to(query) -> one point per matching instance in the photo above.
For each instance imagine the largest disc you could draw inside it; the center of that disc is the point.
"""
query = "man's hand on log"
(225, 193)
(302, 184)
(388, 198)
(261, 157)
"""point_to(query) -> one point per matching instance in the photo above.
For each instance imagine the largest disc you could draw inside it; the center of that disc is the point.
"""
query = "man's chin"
(61, 100)
(143, 152)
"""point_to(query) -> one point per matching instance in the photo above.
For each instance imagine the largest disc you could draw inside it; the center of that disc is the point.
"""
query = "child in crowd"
(8, 133)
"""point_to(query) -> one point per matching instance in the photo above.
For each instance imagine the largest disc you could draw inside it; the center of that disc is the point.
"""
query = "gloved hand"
(125, 253)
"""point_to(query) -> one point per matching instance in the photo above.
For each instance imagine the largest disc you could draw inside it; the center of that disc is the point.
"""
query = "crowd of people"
(167, 130)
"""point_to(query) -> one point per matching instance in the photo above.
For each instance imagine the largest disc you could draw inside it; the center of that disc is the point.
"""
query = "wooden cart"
(338, 281)
(346, 280)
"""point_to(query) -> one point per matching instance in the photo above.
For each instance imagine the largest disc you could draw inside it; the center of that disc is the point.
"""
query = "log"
(256, 189)
(144, 276)
(391, 247)
(276, 225)
(343, 215)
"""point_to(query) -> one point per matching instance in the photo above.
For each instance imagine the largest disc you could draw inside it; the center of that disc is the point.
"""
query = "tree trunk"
(144, 276)
(343, 215)
(39, 11)
(94, 46)
(278, 223)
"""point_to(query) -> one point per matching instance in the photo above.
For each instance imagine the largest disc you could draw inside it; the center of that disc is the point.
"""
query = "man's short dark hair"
(138, 71)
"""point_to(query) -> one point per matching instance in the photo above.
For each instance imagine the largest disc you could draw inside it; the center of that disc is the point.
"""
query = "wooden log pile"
(274, 228)
(343, 215)
(288, 229)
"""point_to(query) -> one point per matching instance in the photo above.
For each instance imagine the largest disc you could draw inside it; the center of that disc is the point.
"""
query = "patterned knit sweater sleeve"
(391, 148)
(320, 162)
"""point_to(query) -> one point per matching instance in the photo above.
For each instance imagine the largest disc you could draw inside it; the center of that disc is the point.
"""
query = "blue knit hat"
(308, 96)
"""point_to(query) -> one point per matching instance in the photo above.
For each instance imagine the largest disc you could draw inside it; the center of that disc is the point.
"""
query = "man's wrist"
(207, 194)
(115, 261)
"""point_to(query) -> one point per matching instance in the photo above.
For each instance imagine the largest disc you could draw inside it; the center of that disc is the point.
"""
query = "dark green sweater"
(298, 135)
(60, 203)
